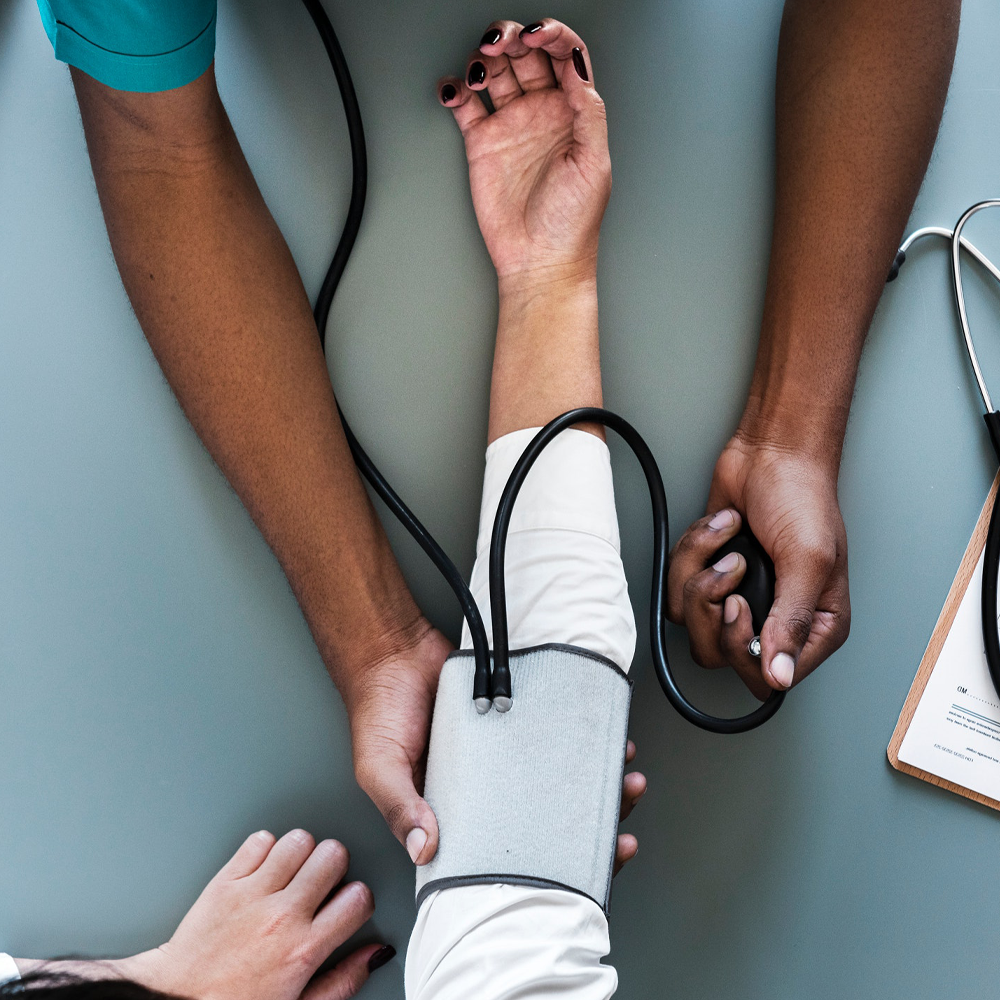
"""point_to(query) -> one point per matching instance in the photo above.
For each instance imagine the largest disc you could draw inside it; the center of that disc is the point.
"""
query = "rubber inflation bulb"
(757, 585)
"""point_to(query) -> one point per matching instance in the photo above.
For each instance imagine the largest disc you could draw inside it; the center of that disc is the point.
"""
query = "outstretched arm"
(220, 301)
(861, 85)
(540, 175)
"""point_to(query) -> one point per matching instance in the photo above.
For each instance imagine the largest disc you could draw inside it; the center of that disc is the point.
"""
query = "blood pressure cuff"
(532, 796)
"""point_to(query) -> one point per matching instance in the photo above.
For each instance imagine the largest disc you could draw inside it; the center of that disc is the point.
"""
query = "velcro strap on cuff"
(531, 796)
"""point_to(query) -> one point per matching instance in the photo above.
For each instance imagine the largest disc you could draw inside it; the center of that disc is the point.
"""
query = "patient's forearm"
(547, 328)
(219, 298)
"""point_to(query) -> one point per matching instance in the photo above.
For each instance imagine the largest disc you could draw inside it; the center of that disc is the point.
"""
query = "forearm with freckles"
(861, 85)
(220, 301)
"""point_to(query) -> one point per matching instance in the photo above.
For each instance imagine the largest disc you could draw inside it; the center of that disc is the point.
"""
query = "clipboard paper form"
(948, 732)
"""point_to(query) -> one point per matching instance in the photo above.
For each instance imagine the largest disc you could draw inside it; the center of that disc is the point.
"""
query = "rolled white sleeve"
(9, 972)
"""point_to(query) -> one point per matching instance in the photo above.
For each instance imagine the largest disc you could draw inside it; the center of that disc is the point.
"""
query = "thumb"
(590, 122)
(386, 775)
(799, 582)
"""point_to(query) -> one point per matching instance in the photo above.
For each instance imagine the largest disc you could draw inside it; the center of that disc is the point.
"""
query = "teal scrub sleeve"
(138, 45)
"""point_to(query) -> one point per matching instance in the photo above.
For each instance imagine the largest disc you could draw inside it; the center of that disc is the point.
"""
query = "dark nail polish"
(531, 28)
(448, 93)
(579, 65)
(491, 37)
(477, 74)
(385, 954)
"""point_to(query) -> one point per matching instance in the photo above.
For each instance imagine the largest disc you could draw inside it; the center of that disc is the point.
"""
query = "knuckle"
(395, 816)
(845, 628)
(354, 979)
(276, 922)
(706, 657)
(693, 590)
(821, 556)
(798, 624)
(305, 959)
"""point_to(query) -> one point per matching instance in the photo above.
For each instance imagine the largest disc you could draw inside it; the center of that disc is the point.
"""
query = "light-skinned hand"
(538, 164)
(264, 925)
(260, 930)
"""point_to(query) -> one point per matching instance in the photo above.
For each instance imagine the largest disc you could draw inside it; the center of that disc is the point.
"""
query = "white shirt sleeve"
(507, 942)
(565, 583)
(9, 972)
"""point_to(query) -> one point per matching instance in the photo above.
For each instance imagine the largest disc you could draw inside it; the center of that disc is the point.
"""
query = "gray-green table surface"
(160, 696)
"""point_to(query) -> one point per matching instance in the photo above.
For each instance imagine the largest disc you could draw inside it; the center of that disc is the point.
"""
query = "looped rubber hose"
(392, 500)
(658, 598)
(497, 688)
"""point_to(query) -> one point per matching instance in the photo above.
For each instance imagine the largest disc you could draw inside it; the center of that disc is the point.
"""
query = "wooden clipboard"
(930, 657)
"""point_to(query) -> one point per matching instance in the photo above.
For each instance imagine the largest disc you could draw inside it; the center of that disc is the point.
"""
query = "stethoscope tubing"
(991, 554)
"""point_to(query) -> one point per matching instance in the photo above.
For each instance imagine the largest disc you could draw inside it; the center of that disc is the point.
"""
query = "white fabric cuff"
(9, 972)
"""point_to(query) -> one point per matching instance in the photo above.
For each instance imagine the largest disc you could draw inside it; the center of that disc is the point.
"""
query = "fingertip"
(475, 75)
(531, 31)
(364, 896)
(724, 520)
(448, 91)
(630, 752)
(731, 562)
(416, 840)
(380, 955)
(780, 671)
(491, 38)
(731, 609)
(628, 846)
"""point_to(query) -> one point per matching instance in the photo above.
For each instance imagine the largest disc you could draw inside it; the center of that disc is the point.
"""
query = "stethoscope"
(991, 558)
(492, 684)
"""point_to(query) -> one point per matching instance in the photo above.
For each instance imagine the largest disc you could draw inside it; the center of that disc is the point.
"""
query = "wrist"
(389, 626)
(796, 425)
(549, 283)
(802, 386)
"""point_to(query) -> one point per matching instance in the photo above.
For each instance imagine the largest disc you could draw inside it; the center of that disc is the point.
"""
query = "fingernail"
(448, 93)
(727, 563)
(531, 28)
(730, 610)
(415, 841)
(783, 670)
(385, 954)
(724, 519)
(477, 73)
(579, 65)
(491, 37)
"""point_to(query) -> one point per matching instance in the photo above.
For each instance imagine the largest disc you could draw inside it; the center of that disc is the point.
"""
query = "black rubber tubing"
(658, 590)
(486, 686)
(392, 500)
